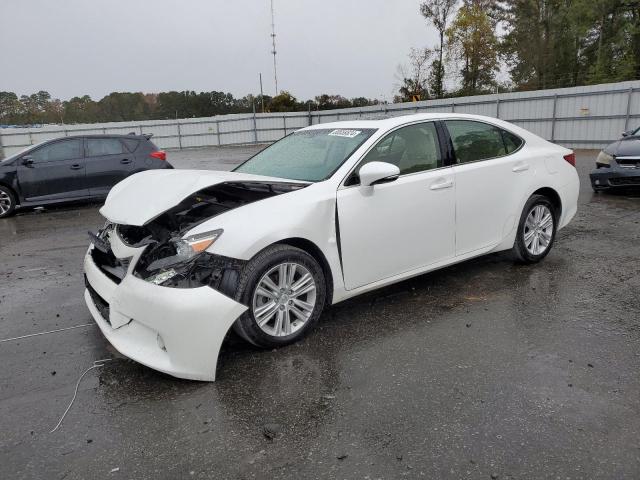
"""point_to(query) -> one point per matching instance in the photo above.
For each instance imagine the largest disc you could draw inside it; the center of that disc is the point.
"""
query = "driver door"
(53, 171)
(393, 228)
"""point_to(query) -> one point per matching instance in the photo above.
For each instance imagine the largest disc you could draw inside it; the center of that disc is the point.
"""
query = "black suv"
(74, 168)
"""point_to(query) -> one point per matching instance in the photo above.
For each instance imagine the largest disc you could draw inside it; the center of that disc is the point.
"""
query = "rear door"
(492, 174)
(108, 161)
(53, 171)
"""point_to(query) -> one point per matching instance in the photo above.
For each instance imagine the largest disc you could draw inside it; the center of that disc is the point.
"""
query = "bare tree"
(414, 77)
(438, 12)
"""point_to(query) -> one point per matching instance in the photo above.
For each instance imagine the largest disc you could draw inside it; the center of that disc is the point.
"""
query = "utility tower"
(273, 51)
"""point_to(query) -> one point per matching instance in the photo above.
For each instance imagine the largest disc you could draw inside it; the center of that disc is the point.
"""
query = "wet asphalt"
(484, 370)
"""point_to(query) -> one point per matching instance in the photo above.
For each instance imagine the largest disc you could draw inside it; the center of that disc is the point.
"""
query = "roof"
(391, 122)
(386, 124)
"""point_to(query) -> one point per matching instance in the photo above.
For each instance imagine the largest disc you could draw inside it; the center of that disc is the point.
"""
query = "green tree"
(330, 102)
(472, 42)
(9, 108)
(284, 102)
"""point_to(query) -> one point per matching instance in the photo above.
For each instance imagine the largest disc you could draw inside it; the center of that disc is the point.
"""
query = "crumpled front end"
(178, 331)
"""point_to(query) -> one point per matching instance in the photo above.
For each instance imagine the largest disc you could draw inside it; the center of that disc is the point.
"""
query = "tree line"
(540, 44)
(41, 108)
(483, 46)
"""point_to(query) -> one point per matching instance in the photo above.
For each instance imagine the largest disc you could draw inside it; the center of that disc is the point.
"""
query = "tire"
(276, 316)
(534, 219)
(7, 202)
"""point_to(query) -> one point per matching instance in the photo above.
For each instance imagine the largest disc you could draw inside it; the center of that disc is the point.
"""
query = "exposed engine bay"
(171, 261)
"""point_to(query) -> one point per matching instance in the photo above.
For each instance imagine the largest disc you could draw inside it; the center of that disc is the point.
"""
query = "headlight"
(187, 248)
(603, 160)
(162, 262)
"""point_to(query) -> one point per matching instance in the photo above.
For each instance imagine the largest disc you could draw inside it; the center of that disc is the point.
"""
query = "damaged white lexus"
(326, 213)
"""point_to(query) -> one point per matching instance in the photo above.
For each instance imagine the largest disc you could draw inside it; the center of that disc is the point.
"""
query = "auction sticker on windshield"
(344, 133)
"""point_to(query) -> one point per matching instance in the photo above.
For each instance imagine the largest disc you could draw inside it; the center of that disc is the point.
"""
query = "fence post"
(284, 123)
(626, 120)
(453, 106)
(179, 135)
(255, 124)
(310, 120)
(553, 118)
(30, 138)
(1, 148)
(218, 130)
(498, 108)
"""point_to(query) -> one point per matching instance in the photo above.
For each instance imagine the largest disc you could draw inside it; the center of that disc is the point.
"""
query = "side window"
(511, 141)
(413, 149)
(97, 147)
(474, 141)
(62, 150)
(131, 144)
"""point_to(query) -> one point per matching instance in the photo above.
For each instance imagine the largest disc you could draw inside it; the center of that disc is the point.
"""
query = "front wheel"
(284, 288)
(7, 202)
(536, 230)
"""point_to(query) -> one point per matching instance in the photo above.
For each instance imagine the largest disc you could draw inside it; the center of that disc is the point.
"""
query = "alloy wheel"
(5, 202)
(538, 229)
(284, 299)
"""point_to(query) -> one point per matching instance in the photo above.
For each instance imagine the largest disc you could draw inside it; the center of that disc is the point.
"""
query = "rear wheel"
(536, 230)
(7, 202)
(284, 288)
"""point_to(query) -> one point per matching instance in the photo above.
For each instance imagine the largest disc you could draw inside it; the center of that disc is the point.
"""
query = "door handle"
(76, 166)
(125, 161)
(440, 184)
(521, 167)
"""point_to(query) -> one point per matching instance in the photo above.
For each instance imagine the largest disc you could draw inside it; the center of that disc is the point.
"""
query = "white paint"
(389, 232)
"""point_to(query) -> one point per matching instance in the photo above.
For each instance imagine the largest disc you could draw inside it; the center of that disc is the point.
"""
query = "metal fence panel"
(579, 117)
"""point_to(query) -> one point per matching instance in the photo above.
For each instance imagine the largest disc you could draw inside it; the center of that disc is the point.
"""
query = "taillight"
(571, 158)
(159, 154)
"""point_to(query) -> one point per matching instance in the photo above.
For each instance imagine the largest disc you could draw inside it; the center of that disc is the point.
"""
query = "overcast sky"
(76, 47)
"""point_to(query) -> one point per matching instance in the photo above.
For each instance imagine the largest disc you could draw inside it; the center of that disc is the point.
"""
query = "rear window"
(473, 141)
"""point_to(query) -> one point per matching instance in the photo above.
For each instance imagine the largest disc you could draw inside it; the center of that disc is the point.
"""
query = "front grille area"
(100, 303)
(629, 162)
(623, 181)
(112, 267)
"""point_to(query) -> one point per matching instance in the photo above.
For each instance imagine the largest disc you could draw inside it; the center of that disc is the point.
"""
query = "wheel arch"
(553, 197)
(12, 190)
(312, 249)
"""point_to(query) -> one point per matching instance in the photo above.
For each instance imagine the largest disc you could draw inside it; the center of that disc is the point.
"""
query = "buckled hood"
(141, 198)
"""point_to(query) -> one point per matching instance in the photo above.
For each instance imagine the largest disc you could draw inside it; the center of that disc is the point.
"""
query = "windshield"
(309, 155)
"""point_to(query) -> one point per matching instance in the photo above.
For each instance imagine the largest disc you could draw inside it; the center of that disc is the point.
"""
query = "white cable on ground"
(47, 333)
(96, 364)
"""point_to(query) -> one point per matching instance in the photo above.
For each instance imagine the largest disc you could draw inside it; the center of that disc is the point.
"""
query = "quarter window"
(97, 147)
(413, 148)
(473, 141)
(62, 150)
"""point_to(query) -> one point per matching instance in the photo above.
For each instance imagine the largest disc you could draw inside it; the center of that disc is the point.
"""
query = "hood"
(142, 197)
(625, 147)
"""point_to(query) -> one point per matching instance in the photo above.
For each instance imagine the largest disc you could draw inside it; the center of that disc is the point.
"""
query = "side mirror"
(378, 172)
(626, 134)
(27, 161)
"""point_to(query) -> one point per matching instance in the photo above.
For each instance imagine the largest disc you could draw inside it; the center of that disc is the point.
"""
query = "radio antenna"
(273, 42)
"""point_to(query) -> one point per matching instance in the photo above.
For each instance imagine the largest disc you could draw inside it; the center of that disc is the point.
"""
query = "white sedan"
(328, 212)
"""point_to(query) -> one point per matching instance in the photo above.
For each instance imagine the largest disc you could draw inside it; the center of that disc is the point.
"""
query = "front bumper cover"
(615, 176)
(178, 331)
